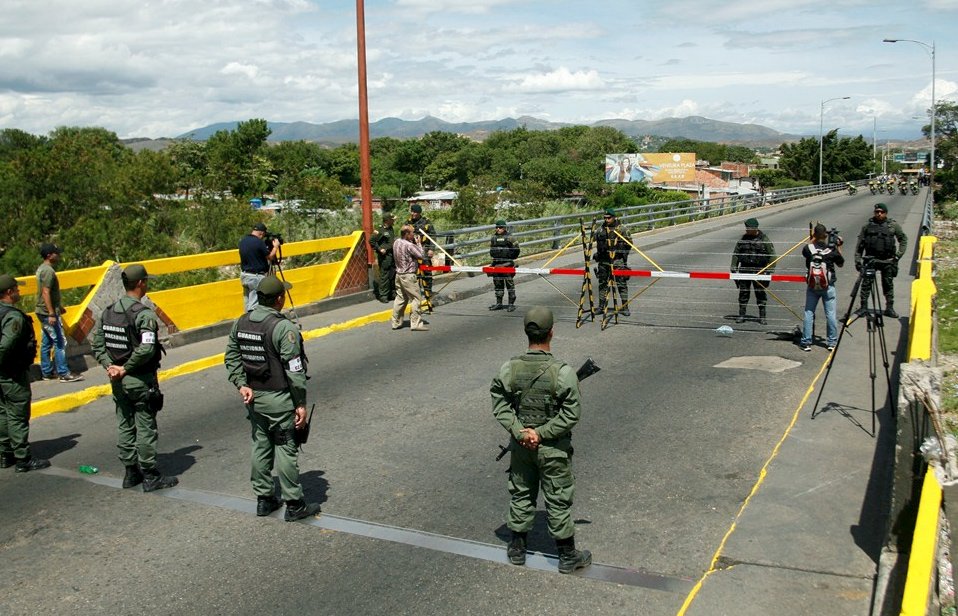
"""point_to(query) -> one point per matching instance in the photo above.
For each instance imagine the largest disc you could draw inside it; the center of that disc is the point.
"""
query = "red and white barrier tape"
(618, 272)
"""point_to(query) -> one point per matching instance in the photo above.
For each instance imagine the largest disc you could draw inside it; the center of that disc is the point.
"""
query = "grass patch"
(946, 301)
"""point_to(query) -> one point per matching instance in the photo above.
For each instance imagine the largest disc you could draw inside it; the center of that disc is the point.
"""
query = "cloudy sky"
(153, 68)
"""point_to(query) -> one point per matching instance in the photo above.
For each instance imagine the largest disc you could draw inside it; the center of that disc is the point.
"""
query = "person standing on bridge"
(536, 399)
(822, 256)
(382, 244)
(48, 310)
(504, 251)
(883, 241)
(612, 251)
(266, 362)
(422, 227)
(408, 253)
(18, 347)
(256, 257)
(753, 253)
(126, 345)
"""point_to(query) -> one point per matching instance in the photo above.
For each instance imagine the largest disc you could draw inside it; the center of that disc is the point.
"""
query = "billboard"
(650, 168)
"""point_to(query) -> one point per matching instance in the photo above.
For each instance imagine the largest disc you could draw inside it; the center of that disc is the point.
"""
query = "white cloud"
(561, 80)
(236, 68)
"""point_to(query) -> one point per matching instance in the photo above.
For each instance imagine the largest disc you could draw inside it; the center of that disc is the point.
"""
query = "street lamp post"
(931, 49)
(821, 128)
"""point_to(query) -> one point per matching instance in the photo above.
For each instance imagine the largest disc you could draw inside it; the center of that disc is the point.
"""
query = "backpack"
(817, 277)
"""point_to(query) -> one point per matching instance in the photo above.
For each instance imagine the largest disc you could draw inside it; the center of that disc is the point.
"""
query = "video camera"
(269, 237)
(834, 239)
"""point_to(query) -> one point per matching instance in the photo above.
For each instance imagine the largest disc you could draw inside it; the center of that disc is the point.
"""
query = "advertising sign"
(650, 168)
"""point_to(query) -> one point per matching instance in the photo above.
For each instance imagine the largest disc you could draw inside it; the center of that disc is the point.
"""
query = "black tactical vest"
(534, 382)
(751, 251)
(121, 337)
(501, 248)
(879, 240)
(24, 349)
(261, 361)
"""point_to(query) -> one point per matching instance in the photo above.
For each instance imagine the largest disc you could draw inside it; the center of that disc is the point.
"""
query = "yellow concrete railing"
(205, 304)
(923, 292)
(924, 549)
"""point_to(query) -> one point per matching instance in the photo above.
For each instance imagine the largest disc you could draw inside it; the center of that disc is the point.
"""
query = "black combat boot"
(570, 558)
(517, 549)
(299, 509)
(266, 505)
(498, 305)
(624, 310)
(7, 460)
(761, 315)
(890, 310)
(31, 464)
(133, 476)
(512, 304)
(741, 314)
(153, 480)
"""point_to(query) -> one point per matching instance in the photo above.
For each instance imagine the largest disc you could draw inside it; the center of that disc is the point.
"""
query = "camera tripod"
(276, 268)
(871, 311)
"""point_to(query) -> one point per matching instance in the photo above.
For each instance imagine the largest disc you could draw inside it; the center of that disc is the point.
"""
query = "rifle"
(301, 435)
(587, 369)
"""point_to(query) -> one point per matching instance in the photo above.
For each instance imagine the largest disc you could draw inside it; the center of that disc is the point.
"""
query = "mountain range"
(345, 131)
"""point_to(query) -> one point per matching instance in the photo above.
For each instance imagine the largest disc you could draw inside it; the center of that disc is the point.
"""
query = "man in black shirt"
(255, 259)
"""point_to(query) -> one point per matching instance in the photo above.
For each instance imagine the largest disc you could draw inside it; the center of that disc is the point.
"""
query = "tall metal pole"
(821, 127)
(934, 111)
(366, 189)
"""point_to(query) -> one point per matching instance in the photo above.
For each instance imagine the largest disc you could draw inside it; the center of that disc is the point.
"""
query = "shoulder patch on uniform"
(291, 337)
(16, 326)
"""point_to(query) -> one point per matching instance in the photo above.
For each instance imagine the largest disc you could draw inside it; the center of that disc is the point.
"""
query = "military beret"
(48, 249)
(500, 223)
(135, 273)
(882, 207)
(8, 282)
(610, 212)
(389, 216)
(271, 285)
(417, 209)
(538, 320)
(752, 223)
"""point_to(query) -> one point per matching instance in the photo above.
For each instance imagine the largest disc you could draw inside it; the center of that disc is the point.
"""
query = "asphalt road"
(668, 448)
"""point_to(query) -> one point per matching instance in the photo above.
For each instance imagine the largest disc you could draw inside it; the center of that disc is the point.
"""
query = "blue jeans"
(811, 302)
(53, 340)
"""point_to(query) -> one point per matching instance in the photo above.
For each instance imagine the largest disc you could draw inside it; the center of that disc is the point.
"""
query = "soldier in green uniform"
(752, 254)
(126, 345)
(878, 239)
(266, 362)
(612, 251)
(536, 399)
(504, 251)
(422, 227)
(382, 244)
(18, 347)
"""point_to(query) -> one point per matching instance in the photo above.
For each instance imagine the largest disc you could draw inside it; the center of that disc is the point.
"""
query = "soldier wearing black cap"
(612, 252)
(18, 347)
(882, 240)
(382, 244)
(48, 310)
(422, 227)
(256, 257)
(536, 399)
(126, 344)
(504, 251)
(753, 253)
(266, 362)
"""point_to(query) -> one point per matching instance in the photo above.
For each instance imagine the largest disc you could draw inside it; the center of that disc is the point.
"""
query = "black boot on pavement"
(741, 314)
(517, 549)
(570, 558)
(7, 460)
(153, 480)
(31, 464)
(266, 505)
(299, 509)
(761, 315)
(497, 306)
(133, 476)
(890, 311)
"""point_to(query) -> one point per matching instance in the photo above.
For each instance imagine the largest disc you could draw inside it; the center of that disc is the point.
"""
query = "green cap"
(389, 216)
(882, 207)
(271, 285)
(135, 273)
(8, 282)
(751, 223)
(538, 320)
(610, 212)
(416, 208)
(500, 223)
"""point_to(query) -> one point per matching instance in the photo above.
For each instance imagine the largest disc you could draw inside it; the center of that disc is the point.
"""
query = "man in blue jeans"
(49, 308)
(823, 255)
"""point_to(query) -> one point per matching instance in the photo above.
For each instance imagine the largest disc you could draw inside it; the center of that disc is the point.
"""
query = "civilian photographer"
(822, 255)
(257, 254)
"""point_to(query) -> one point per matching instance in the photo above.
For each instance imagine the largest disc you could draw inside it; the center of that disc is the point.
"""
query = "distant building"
(434, 200)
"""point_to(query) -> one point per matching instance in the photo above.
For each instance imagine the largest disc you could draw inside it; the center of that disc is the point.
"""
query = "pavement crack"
(724, 562)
